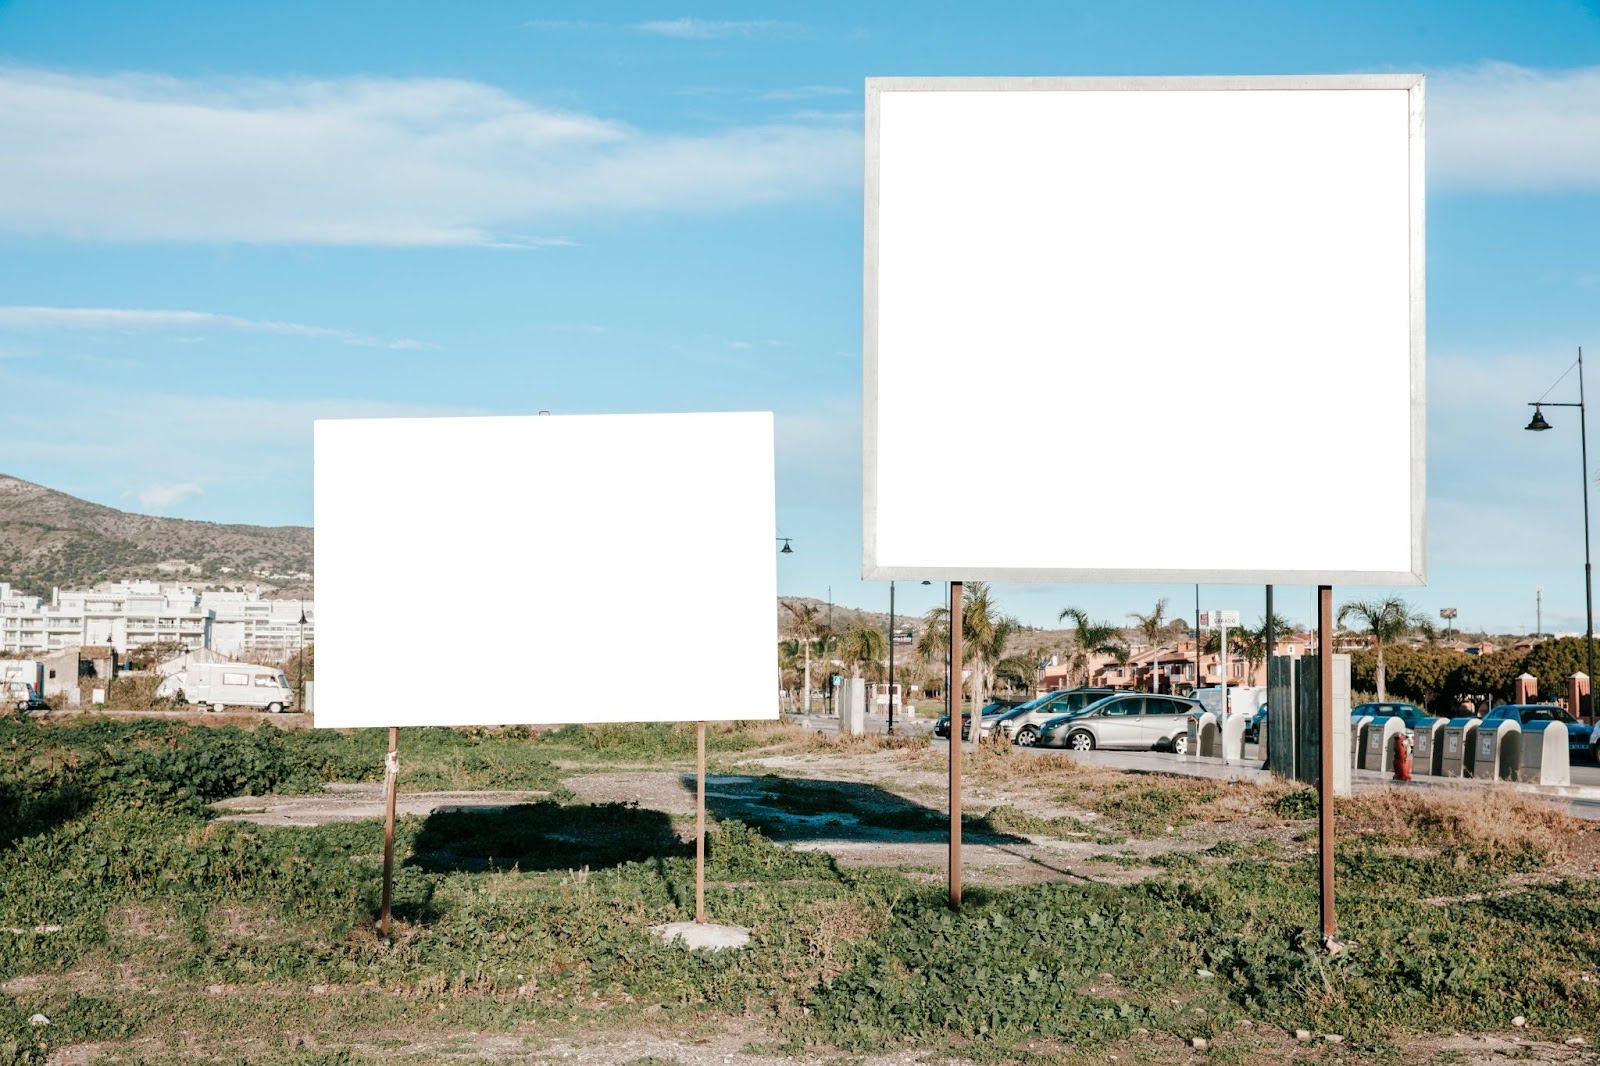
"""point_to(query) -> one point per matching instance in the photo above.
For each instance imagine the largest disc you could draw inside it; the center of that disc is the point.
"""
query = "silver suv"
(1022, 724)
(1134, 720)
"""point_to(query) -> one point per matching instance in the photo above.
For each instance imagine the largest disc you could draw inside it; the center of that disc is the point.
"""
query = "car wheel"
(1081, 741)
(1027, 736)
(218, 708)
(274, 708)
(1180, 744)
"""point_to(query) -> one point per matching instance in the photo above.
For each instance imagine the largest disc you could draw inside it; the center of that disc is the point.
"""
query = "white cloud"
(691, 29)
(138, 320)
(158, 498)
(252, 455)
(366, 161)
(806, 92)
(1496, 126)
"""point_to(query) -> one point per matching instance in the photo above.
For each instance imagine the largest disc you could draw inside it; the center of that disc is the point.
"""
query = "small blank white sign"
(1145, 329)
(547, 569)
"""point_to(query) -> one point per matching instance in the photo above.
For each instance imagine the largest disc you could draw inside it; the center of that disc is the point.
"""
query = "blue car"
(991, 711)
(1580, 737)
(1252, 725)
(1410, 713)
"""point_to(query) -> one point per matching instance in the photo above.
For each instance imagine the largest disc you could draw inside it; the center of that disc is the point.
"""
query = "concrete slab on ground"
(356, 803)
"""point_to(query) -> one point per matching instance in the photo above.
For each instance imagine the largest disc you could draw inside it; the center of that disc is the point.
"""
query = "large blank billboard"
(487, 571)
(1145, 329)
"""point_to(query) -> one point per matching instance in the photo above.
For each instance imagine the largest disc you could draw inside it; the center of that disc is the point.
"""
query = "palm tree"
(862, 644)
(1088, 638)
(933, 643)
(789, 658)
(1150, 626)
(1387, 620)
(805, 625)
(984, 634)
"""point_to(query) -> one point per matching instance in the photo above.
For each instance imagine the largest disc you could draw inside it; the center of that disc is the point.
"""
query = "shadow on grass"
(792, 809)
(544, 836)
(24, 813)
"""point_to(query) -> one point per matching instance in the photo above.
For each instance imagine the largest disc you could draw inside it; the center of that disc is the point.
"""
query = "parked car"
(1581, 739)
(1413, 715)
(1022, 724)
(18, 694)
(991, 711)
(1252, 725)
(1132, 720)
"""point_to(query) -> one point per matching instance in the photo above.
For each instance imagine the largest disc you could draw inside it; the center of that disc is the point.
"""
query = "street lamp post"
(1538, 424)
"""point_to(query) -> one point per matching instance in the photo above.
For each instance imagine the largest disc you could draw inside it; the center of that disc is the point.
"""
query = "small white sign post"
(1223, 620)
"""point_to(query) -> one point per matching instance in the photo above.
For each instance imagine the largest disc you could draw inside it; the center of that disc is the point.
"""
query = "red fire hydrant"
(1402, 756)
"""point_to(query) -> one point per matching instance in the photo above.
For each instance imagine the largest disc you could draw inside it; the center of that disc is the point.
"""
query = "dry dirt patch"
(356, 803)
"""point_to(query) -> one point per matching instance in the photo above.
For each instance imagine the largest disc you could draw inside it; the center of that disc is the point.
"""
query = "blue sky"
(220, 221)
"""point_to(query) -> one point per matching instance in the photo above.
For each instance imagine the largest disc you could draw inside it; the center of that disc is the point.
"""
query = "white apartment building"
(243, 622)
(127, 614)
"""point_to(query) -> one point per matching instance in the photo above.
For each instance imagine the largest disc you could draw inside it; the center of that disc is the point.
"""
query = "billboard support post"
(955, 745)
(700, 823)
(1330, 924)
(391, 772)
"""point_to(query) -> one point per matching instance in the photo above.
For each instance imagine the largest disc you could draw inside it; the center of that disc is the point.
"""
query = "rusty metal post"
(955, 745)
(1330, 924)
(391, 773)
(700, 823)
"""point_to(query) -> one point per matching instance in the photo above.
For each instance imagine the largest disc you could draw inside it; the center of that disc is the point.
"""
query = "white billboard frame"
(1413, 574)
(535, 530)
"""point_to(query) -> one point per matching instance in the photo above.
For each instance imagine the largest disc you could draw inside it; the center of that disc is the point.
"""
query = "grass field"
(145, 930)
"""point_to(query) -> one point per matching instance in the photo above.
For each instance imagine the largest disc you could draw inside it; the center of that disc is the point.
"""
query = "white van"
(1242, 699)
(217, 686)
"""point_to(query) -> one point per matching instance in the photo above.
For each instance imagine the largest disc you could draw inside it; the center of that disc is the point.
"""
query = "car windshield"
(1547, 714)
(1097, 704)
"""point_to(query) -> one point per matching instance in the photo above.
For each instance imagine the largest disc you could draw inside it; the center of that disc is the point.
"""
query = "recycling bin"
(1456, 758)
(1496, 752)
(1233, 738)
(1358, 737)
(1426, 747)
(1377, 752)
(1544, 755)
(1203, 739)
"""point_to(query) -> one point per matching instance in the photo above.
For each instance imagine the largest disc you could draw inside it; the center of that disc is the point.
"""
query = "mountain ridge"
(50, 539)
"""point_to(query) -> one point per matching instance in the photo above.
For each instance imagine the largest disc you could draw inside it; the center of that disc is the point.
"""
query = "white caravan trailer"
(216, 686)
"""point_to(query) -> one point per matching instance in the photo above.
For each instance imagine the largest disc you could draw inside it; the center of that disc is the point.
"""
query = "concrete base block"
(707, 937)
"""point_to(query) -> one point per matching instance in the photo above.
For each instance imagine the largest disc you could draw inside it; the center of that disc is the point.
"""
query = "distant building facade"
(128, 614)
